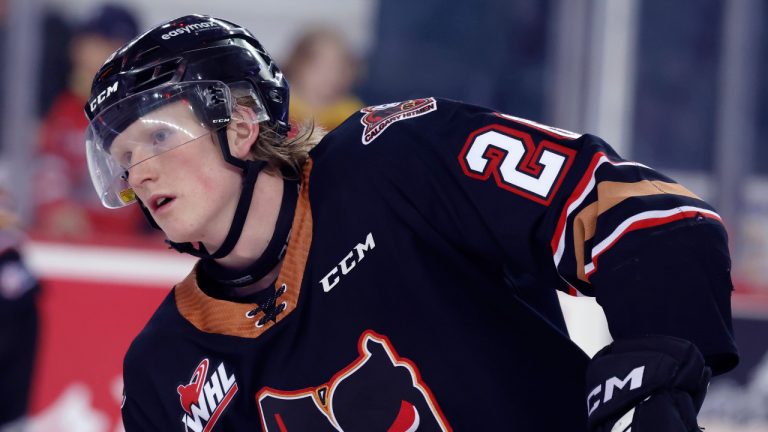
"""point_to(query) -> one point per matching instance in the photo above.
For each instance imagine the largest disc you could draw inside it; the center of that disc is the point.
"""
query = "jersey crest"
(379, 389)
(377, 118)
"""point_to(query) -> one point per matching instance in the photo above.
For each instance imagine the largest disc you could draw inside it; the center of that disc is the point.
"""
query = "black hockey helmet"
(197, 60)
(191, 48)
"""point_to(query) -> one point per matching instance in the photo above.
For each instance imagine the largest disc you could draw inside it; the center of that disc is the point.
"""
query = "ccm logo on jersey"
(205, 398)
(634, 379)
(379, 117)
(347, 263)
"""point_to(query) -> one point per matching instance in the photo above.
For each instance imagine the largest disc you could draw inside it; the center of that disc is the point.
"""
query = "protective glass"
(148, 124)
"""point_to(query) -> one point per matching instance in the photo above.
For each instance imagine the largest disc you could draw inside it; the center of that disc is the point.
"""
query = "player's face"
(176, 169)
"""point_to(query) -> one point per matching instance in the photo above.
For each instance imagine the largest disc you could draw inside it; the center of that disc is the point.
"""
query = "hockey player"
(19, 291)
(398, 274)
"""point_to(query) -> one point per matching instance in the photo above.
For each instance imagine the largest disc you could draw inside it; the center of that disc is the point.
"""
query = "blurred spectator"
(321, 71)
(56, 33)
(18, 320)
(66, 204)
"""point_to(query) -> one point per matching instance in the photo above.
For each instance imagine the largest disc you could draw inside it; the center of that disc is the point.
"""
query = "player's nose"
(144, 171)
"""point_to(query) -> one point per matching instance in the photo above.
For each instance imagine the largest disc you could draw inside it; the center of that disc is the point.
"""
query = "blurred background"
(680, 86)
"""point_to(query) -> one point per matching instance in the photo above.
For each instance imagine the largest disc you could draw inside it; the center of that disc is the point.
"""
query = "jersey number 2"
(516, 164)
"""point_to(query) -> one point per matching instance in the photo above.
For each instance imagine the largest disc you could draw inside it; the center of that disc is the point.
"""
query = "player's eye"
(124, 159)
(160, 136)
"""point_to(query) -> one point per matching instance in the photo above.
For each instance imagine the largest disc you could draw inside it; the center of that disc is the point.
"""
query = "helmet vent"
(156, 75)
(146, 52)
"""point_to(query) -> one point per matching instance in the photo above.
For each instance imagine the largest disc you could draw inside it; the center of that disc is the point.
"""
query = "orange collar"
(211, 315)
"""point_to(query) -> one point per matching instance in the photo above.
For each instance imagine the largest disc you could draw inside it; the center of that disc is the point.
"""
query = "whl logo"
(205, 398)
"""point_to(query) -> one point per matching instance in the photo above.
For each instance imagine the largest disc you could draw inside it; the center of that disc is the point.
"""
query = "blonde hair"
(285, 155)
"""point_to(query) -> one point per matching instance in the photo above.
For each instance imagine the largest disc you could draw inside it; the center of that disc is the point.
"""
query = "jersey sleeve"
(604, 203)
(546, 208)
(654, 254)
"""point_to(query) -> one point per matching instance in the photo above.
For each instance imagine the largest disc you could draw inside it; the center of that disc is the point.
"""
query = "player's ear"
(242, 131)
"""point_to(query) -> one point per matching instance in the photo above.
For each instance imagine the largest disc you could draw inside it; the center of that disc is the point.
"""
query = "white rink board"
(584, 317)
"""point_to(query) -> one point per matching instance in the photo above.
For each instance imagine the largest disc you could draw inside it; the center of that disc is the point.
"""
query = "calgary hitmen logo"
(379, 117)
(205, 398)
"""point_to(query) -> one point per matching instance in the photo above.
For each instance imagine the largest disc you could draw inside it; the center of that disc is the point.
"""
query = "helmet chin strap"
(251, 172)
(272, 255)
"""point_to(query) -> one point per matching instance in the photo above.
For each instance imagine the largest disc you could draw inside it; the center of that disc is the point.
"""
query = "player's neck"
(257, 233)
(259, 225)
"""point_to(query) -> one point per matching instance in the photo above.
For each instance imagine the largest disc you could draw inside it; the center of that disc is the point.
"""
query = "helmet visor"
(148, 124)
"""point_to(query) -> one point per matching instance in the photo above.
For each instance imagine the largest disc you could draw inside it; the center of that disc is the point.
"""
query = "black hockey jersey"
(417, 292)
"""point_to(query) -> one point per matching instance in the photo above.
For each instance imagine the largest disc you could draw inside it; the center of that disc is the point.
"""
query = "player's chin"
(179, 234)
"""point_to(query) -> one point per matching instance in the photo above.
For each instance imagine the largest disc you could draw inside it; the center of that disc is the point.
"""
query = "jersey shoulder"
(154, 339)
(150, 369)
(429, 120)
(373, 142)
(386, 133)
(393, 120)
(431, 136)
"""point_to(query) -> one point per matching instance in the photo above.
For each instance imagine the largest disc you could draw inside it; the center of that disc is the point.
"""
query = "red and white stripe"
(585, 186)
(140, 267)
(645, 220)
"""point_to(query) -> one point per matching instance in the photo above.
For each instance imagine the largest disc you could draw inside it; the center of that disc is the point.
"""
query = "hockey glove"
(650, 384)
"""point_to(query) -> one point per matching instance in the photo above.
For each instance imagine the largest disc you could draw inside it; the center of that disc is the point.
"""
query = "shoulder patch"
(377, 118)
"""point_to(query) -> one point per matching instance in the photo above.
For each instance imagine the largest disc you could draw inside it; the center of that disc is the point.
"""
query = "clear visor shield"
(148, 124)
